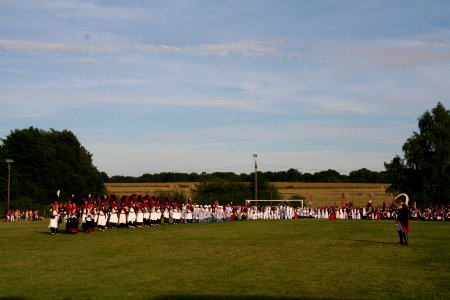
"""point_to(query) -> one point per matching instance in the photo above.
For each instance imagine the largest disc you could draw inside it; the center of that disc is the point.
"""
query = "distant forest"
(291, 175)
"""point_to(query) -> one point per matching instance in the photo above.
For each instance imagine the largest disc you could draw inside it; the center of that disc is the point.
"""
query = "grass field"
(316, 193)
(273, 259)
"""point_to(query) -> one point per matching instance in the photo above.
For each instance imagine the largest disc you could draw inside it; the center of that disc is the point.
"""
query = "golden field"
(318, 194)
(149, 188)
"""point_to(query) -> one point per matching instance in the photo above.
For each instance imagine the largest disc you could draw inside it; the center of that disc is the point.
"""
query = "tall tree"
(425, 169)
(47, 161)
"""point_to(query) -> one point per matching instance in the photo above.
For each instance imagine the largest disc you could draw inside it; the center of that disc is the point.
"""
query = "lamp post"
(9, 162)
(256, 177)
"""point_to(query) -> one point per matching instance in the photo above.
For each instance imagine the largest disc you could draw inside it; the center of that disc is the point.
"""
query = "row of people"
(138, 211)
(438, 213)
(23, 215)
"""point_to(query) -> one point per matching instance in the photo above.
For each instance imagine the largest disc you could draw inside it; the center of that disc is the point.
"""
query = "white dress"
(113, 216)
(101, 220)
(139, 216)
(54, 220)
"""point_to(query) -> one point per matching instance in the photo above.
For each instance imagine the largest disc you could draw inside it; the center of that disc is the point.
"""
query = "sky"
(201, 86)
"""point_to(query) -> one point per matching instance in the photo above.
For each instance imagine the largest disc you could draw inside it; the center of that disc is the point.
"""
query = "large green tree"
(47, 161)
(424, 172)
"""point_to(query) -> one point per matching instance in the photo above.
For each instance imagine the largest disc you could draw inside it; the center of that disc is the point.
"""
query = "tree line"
(292, 175)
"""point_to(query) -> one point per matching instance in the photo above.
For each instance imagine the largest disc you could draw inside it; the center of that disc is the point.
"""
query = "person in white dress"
(101, 219)
(113, 219)
(54, 217)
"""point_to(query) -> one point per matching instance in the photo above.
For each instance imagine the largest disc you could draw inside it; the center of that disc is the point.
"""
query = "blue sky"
(193, 86)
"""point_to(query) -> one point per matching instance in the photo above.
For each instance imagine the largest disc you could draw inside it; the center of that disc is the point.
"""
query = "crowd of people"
(23, 215)
(136, 210)
(370, 212)
(99, 213)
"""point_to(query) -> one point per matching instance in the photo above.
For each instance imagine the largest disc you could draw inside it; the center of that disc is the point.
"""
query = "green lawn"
(271, 259)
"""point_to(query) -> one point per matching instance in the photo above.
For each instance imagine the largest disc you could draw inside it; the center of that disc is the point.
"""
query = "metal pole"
(9, 162)
(9, 183)
(256, 177)
(256, 181)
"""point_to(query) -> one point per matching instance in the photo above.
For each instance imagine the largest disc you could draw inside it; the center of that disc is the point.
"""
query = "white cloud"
(421, 51)
(242, 48)
(245, 48)
(31, 46)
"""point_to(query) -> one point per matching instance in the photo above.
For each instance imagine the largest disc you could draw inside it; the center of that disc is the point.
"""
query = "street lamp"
(256, 177)
(9, 162)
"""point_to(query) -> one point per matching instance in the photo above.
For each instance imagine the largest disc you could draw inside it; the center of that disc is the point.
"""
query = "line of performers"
(138, 211)
(130, 211)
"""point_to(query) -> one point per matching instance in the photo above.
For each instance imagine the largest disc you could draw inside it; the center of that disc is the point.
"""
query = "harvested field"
(150, 188)
(318, 194)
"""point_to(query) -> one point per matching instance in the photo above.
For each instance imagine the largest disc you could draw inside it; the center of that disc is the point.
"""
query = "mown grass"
(271, 259)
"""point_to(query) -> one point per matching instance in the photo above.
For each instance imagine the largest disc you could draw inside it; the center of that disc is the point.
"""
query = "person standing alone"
(402, 219)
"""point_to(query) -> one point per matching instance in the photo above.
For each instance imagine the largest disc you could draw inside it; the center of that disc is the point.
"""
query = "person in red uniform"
(123, 211)
(113, 217)
(84, 213)
(402, 219)
(90, 218)
(139, 213)
(146, 212)
(73, 219)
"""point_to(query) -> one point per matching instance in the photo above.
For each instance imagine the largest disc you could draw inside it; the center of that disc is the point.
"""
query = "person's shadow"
(48, 233)
(371, 242)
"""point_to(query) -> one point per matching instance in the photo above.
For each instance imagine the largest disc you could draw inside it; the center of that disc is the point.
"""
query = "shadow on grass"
(222, 297)
(199, 297)
(41, 232)
(61, 232)
(370, 242)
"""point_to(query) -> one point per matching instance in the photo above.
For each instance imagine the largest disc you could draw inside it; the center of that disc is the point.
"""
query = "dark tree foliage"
(47, 161)
(291, 175)
(364, 175)
(265, 189)
(207, 192)
(327, 176)
(424, 172)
